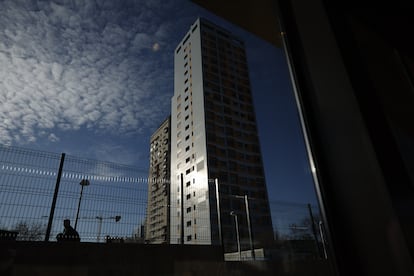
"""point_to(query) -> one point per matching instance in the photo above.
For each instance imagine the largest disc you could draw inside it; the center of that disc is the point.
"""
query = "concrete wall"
(39, 258)
(67, 259)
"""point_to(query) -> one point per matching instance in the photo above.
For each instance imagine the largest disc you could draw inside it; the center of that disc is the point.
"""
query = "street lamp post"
(100, 218)
(232, 213)
(83, 183)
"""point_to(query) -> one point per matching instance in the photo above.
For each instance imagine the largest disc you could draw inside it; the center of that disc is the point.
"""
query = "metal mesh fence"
(194, 227)
(294, 221)
(297, 233)
(111, 206)
(27, 180)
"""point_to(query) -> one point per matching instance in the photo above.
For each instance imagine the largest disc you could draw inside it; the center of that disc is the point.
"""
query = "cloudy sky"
(95, 78)
(81, 70)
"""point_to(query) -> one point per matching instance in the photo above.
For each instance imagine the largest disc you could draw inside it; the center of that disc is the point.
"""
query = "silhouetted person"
(69, 234)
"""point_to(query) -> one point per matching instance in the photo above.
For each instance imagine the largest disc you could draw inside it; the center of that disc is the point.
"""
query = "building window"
(186, 117)
(186, 127)
(188, 209)
(187, 160)
(189, 238)
(188, 183)
(187, 137)
(187, 148)
(188, 196)
(186, 108)
(188, 223)
(186, 99)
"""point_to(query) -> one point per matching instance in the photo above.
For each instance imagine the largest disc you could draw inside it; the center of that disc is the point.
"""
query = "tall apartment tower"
(158, 214)
(214, 136)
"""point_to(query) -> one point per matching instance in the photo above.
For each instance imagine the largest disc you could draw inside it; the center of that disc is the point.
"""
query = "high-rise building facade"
(157, 220)
(214, 136)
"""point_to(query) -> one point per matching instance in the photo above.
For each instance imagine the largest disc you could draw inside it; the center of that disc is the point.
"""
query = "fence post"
(182, 209)
(218, 212)
(249, 226)
(315, 236)
(52, 208)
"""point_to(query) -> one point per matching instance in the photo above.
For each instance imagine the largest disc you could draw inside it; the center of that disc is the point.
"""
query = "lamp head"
(84, 182)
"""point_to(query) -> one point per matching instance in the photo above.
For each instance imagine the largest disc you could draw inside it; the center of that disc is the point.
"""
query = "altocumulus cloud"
(67, 65)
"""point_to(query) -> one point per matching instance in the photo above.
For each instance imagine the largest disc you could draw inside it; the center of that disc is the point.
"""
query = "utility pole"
(233, 213)
(83, 183)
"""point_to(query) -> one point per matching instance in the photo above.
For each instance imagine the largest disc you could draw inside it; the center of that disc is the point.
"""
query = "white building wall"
(189, 157)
